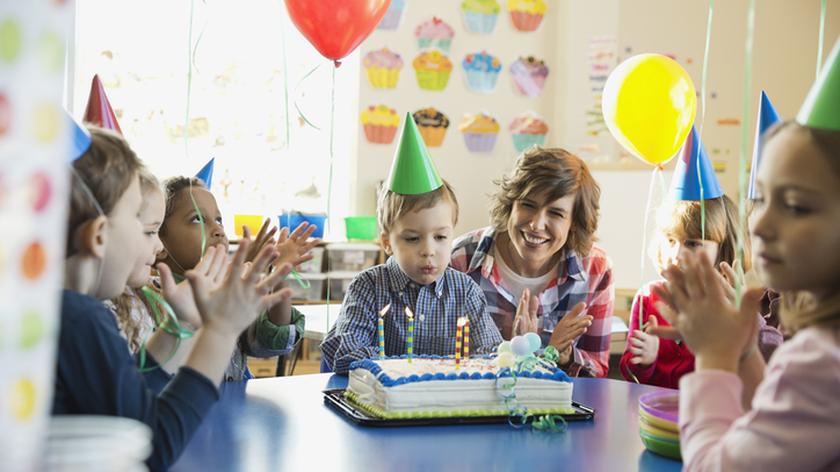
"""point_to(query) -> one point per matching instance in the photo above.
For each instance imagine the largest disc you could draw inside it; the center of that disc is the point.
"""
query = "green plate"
(663, 447)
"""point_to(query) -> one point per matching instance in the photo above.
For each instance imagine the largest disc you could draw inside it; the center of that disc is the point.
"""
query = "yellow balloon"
(649, 103)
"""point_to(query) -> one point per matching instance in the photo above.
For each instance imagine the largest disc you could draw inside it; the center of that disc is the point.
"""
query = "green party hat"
(822, 105)
(413, 171)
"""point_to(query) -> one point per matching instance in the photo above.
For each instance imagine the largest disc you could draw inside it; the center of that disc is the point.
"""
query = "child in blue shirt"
(95, 374)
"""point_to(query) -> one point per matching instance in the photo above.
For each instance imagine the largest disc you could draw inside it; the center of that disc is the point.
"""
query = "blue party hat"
(767, 117)
(206, 173)
(685, 184)
(79, 138)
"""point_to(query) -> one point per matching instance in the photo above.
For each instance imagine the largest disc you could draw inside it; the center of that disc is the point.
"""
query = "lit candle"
(459, 339)
(381, 330)
(466, 337)
(409, 340)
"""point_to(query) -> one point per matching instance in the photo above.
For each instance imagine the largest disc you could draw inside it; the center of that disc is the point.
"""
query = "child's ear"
(92, 237)
(386, 243)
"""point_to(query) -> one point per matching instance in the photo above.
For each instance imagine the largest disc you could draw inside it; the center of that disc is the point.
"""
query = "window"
(237, 107)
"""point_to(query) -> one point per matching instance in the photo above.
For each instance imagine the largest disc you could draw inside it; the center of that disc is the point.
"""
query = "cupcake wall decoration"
(383, 68)
(480, 15)
(434, 33)
(432, 69)
(527, 15)
(527, 130)
(393, 15)
(432, 125)
(529, 75)
(481, 71)
(380, 123)
(480, 131)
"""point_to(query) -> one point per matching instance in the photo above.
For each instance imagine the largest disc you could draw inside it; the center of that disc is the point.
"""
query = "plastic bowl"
(253, 222)
(664, 405)
(361, 227)
(293, 219)
(663, 447)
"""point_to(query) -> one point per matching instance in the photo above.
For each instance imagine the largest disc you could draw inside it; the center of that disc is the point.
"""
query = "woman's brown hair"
(555, 173)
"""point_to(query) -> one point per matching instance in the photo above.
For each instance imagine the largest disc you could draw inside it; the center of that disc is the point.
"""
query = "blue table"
(283, 424)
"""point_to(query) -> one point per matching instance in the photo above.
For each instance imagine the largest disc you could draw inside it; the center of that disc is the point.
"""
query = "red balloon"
(336, 27)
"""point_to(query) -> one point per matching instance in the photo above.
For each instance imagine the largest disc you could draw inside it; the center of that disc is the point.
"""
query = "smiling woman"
(537, 263)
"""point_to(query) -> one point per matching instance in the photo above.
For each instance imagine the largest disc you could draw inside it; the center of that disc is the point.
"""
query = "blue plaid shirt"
(436, 308)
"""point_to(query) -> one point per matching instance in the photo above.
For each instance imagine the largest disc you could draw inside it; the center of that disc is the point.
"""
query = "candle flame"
(384, 310)
(408, 313)
(462, 321)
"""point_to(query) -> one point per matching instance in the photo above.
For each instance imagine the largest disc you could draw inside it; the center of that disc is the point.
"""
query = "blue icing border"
(371, 365)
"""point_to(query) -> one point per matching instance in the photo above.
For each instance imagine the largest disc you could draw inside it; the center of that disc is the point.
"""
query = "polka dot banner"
(32, 53)
(10, 40)
(34, 261)
(23, 398)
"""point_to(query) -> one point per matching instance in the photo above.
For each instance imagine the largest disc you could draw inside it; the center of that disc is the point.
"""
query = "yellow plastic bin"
(253, 222)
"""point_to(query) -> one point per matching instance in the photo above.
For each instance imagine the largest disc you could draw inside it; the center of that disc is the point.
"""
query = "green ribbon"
(745, 126)
(703, 82)
(519, 417)
(165, 320)
(295, 275)
(201, 221)
(822, 38)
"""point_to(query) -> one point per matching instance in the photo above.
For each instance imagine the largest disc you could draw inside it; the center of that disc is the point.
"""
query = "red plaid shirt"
(579, 279)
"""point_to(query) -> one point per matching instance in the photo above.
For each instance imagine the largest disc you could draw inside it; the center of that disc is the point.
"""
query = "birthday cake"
(431, 386)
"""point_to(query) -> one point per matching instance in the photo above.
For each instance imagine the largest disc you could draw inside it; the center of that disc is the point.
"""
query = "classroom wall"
(785, 46)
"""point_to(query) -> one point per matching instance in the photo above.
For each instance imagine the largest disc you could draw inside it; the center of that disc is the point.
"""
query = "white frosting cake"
(432, 387)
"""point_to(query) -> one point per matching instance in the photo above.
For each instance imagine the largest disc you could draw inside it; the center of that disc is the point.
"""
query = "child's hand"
(526, 314)
(263, 237)
(572, 325)
(242, 295)
(212, 267)
(700, 308)
(294, 248)
(644, 345)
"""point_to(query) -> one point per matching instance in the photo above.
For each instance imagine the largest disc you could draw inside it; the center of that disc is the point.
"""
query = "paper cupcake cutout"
(527, 130)
(393, 15)
(383, 68)
(433, 69)
(480, 15)
(480, 132)
(432, 125)
(529, 75)
(481, 71)
(380, 123)
(527, 15)
(434, 33)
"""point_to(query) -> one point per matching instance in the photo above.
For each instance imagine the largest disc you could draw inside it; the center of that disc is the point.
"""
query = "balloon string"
(648, 209)
(703, 83)
(285, 81)
(330, 178)
(821, 38)
(189, 81)
(742, 167)
(297, 107)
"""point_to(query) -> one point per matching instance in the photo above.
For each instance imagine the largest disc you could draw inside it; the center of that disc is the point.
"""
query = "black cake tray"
(335, 400)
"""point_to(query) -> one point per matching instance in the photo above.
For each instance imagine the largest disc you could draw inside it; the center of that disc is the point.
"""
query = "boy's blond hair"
(681, 220)
(103, 173)
(393, 206)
